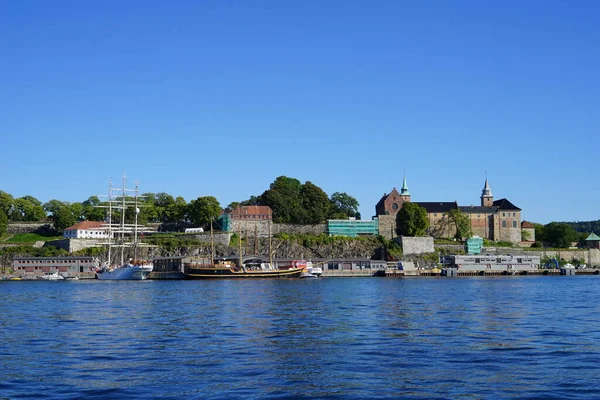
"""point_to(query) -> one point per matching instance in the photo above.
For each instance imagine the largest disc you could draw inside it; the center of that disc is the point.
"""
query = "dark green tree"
(52, 206)
(343, 203)
(461, 222)
(283, 196)
(315, 204)
(6, 203)
(540, 232)
(64, 218)
(204, 209)
(560, 235)
(3, 222)
(25, 210)
(412, 220)
(92, 210)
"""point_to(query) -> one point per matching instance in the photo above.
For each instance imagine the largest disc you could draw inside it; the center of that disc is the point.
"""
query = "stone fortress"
(496, 220)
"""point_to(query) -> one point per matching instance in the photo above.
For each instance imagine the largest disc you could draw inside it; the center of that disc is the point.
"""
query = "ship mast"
(123, 222)
(110, 234)
(212, 244)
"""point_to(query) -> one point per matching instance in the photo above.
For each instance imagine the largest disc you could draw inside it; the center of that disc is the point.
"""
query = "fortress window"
(514, 224)
(504, 224)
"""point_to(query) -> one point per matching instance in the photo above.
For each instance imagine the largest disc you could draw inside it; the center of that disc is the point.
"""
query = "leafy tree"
(24, 210)
(232, 206)
(92, 210)
(412, 220)
(32, 200)
(315, 203)
(559, 235)
(3, 222)
(6, 203)
(252, 201)
(461, 222)
(283, 196)
(77, 210)
(177, 212)
(343, 203)
(540, 232)
(64, 218)
(203, 210)
(52, 206)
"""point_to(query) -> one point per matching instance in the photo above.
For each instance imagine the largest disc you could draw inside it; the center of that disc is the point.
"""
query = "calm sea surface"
(346, 338)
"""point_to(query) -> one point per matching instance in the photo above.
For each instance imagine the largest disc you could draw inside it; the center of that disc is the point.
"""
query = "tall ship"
(133, 268)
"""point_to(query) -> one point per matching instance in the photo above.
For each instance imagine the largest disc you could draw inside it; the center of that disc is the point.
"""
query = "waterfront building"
(251, 220)
(67, 266)
(497, 220)
(593, 241)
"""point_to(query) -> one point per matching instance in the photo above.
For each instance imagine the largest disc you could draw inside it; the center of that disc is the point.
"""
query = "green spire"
(404, 191)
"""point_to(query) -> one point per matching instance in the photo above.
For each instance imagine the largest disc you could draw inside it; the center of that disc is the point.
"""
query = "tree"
(461, 222)
(343, 203)
(412, 220)
(77, 210)
(25, 210)
(6, 203)
(92, 210)
(283, 196)
(3, 222)
(315, 203)
(232, 206)
(52, 206)
(177, 212)
(560, 235)
(64, 218)
(203, 210)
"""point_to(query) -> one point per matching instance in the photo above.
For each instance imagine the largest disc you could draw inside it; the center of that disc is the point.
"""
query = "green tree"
(3, 222)
(560, 235)
(177, 212)
(540, 232)
(25, 210)
(204, 209)
(6, 203)
(283, 196)
(77, 210)
(92, 210)
(232, 206)
(64, 218)
(52, 206)
(343, 203)
(412, 220)
(462, 223)
(315, 203)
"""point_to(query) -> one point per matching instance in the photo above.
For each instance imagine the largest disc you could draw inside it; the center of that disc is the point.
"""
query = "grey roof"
(437, 206)
(504, 204)
(478, 209)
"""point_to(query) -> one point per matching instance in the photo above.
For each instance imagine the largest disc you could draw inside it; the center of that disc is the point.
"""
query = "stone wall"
(417, 245)
(29, 227)
(387, 226)
(317, 229)
(72, 245)
(218, 237)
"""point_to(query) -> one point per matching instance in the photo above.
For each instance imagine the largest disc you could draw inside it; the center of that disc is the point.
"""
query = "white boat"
(318, 271)
(134, 269)
(128, 271)
(52, 276)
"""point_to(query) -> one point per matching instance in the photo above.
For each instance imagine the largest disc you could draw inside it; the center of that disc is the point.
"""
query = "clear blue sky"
(198, 98)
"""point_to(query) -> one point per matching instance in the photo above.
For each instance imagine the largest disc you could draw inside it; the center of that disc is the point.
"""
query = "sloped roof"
(437, 206)
(86, 225)
(478, 209)
(252, 210)
(504, 204)
(527, 224)
(593, 237)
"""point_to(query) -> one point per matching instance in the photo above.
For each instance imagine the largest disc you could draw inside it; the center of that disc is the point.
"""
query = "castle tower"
(404, 193)
(487, 199)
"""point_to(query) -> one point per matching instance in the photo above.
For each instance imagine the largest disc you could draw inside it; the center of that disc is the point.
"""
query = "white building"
(87, 230)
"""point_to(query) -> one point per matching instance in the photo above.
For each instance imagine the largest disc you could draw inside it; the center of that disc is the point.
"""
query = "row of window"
(52, 261)
(514, 224)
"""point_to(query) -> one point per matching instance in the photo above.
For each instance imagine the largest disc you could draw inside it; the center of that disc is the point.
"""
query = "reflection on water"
(328, 338)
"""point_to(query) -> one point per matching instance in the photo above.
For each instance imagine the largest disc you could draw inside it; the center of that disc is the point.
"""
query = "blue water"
(338, 338)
